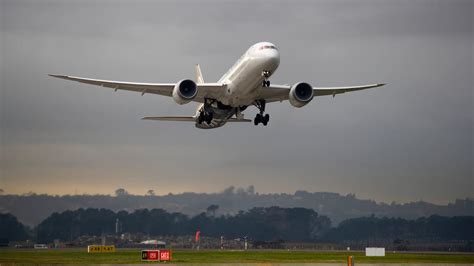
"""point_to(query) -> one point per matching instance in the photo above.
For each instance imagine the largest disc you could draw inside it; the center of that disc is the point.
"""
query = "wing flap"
(206, 90)
(186, 119)
(321, 91)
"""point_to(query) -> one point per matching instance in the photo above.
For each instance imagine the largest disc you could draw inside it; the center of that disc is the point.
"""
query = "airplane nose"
(274, 57)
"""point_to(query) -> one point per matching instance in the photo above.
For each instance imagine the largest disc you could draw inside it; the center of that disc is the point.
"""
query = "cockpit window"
(267, 47)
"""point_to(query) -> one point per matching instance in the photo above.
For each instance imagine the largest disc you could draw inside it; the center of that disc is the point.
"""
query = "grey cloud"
(409, 140)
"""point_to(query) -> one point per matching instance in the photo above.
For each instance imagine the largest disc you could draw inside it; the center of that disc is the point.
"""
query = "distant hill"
(32, 209)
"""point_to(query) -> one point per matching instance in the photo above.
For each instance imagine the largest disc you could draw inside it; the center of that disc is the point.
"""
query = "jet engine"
(184, 91)
(300, 94)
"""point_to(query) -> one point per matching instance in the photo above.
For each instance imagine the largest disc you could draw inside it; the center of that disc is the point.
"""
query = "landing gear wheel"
(265, 119)
(209, 117)
(256, 120)
(260, 117)
(266, 83)
(201, 118)
(205, 117)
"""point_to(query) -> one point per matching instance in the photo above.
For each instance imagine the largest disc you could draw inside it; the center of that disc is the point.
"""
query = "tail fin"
(199, 78)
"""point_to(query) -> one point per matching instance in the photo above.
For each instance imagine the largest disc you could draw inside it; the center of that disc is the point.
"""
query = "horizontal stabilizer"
(171, 118)
(187, 119)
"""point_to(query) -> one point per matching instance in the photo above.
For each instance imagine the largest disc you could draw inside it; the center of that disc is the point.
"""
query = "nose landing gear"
(265, 75)
(260, 117)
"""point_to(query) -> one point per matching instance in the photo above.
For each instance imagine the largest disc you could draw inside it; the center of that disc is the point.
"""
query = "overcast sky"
(409, 140)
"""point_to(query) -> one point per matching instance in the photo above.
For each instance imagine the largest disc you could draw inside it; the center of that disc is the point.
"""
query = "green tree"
(212, 209)
(120, 192)
(11, 228)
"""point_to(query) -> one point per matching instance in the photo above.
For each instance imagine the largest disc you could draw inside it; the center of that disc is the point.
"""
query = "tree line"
(32, 208)
(265, 224)
(294, 224)
(430, 229)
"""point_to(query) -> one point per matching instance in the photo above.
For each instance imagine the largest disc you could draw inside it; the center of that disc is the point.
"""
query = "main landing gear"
(205, 117)
(206, 114)
(260, 117)
(265, 75)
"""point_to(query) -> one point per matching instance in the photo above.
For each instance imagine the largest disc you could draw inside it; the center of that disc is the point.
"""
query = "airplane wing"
(187, 119)
(320, 91)
(276, 93)
(206, 90)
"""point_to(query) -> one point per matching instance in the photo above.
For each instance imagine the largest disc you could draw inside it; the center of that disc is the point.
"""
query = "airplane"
(245, 84)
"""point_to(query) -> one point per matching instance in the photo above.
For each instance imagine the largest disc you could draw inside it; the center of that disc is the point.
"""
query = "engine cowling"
(184, 91)
(300, 94)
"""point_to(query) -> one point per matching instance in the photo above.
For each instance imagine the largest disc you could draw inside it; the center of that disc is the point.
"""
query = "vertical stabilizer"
(199, 78)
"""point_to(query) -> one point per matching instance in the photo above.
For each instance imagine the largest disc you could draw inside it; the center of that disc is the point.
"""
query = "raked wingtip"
(56, 76)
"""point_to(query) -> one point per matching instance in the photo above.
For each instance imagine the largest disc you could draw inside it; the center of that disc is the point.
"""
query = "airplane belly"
(245, 82)
(245, 88)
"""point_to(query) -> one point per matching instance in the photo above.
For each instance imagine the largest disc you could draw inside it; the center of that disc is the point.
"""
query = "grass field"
(130, 256)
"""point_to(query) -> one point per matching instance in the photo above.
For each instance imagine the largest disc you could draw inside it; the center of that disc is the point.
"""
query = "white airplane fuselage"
(244, 84)
(244, 81)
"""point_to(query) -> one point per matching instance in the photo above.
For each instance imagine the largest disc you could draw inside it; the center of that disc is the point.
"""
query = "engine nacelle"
(184, 91)
(300, 94)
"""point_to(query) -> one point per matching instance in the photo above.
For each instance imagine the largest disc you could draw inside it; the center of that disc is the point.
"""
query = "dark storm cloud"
(409, 140)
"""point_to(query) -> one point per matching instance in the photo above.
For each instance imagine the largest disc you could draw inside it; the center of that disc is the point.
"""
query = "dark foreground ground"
(131, 256)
